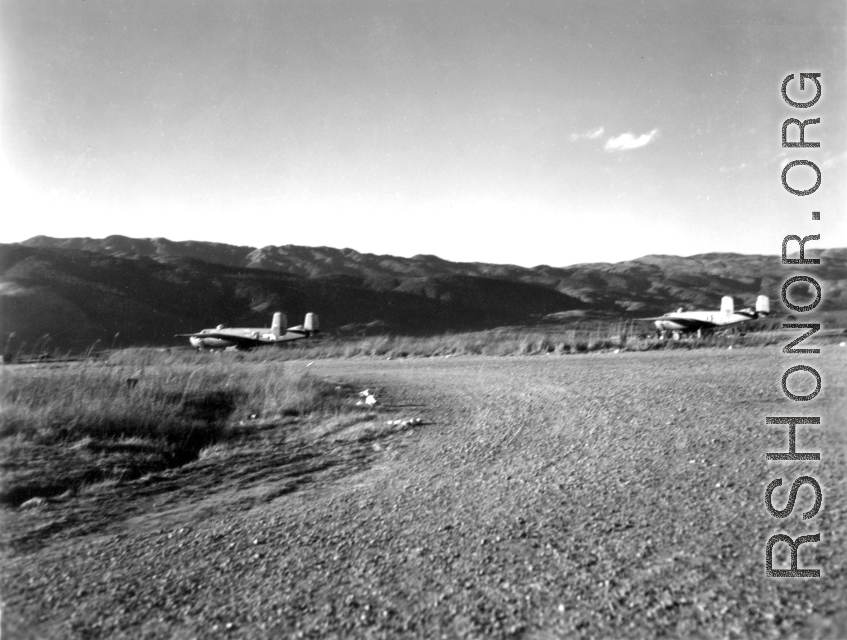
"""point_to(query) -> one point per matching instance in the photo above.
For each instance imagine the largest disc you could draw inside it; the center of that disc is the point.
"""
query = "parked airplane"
(244, 338)
(680, 321)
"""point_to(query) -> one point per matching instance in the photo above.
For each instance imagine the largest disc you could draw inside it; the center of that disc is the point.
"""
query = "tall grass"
(623, 336)
(63, 426)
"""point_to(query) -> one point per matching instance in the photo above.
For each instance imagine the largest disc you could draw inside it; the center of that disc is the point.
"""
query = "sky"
(531, 132)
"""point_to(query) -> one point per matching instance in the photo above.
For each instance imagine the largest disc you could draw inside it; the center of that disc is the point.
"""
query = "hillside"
(80, 290)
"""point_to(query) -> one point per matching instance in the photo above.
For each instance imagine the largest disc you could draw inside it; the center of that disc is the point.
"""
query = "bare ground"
(605, 495)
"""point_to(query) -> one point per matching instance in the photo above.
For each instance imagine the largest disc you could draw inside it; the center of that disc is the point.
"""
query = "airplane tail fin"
(311, 323)
(763, 306)
(279, 325)
(727, 306)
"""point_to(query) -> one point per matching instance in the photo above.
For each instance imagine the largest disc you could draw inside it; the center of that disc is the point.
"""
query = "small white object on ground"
(369, 398)
(410, 422)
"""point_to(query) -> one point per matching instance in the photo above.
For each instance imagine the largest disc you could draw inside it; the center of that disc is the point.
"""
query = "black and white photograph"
(423, 319)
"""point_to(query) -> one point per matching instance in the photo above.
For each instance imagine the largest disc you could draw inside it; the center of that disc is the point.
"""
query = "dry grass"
(556, 341)
(67, 426)
(586, 337)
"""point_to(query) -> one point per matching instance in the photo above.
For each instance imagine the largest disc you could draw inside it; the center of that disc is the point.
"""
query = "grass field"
(552, 339)
(66, 426)
(547, 341)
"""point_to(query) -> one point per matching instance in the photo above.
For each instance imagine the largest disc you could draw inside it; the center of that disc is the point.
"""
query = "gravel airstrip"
(599, 495)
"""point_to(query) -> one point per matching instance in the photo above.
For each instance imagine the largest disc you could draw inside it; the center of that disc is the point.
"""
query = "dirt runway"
(604, 495)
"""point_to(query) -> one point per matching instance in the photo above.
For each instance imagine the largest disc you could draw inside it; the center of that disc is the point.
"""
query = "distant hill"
(79, 290)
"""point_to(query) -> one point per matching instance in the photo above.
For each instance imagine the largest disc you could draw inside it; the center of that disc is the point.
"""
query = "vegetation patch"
(538, 341)
(65, 427)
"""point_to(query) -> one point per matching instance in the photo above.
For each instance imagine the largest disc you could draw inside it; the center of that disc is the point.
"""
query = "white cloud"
(590, 135)
(834, 160)
(627, 141)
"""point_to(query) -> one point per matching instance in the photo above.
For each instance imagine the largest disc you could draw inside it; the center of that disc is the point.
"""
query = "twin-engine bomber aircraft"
(681, 321)
(244, 338)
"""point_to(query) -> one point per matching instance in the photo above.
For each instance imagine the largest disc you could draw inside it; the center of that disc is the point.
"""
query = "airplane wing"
(241, 341)
(688, 323)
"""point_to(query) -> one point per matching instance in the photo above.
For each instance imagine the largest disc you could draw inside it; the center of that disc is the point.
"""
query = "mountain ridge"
(82, 289)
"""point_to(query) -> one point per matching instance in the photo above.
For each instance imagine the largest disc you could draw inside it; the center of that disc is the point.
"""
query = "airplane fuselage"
(220, 342)
(688, 320)
(260, 336)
